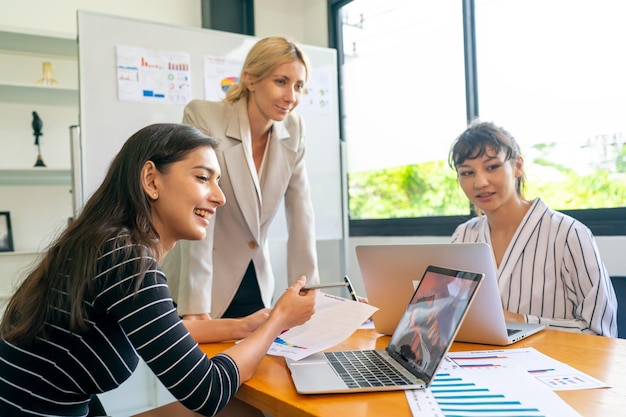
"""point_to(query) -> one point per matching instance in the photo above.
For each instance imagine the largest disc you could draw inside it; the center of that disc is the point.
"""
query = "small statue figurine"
(37, 125)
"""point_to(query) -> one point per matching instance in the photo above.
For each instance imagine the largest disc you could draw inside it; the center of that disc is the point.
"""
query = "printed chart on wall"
(316, 97)
(153, 76)
(219, 74)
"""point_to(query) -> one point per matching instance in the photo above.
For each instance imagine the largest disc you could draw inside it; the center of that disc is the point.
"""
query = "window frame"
(601, 222)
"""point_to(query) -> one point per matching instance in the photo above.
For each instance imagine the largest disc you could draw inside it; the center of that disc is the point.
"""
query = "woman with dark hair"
(262, 155)
(97, 301)
(548, 265)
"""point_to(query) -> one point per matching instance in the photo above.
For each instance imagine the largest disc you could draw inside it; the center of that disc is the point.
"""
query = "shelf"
(36, 176)
(21, 59)
(15, 254)
(35, 94)
(24, 187)
(44, 44)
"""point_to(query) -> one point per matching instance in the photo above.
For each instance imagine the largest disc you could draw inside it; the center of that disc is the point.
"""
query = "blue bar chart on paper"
(505, 392)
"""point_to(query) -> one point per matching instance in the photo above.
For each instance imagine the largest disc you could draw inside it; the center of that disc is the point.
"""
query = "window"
(548, 71)
(561, 91)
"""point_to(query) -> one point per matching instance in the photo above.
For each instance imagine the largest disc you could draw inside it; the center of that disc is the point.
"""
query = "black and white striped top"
(55, 377)
(552, 272)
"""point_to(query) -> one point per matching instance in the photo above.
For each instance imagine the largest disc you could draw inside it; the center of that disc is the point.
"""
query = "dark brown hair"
(118, 209)
(479, 139)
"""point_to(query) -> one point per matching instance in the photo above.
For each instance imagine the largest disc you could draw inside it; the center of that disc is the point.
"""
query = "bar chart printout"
(506, 392)
(554, 374)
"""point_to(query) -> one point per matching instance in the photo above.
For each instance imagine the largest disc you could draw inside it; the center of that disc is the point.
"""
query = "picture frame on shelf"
(6, 235)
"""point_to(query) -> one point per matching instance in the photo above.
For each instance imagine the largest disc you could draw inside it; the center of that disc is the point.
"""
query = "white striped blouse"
(552, 272)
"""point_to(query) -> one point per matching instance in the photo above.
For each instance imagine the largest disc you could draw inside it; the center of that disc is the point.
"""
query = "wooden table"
(272, 390)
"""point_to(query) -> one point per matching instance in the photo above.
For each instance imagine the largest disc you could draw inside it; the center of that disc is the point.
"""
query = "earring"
(154, 195)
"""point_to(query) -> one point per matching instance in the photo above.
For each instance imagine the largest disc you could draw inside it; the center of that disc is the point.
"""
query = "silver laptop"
(389, 274)
(419, 343)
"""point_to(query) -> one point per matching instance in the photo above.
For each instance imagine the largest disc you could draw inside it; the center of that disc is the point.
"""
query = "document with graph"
(508, 391)
(554, 374)
(334, 320)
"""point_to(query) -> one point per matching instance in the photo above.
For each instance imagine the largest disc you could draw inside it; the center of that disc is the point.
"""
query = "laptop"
(419, 343)
(389, 272)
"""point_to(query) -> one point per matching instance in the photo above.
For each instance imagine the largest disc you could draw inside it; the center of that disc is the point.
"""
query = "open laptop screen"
(432, 319)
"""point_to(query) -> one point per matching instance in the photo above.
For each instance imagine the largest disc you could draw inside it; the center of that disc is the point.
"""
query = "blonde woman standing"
(262, 155)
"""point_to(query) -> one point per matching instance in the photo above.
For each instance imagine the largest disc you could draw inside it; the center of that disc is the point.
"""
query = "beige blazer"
(204, 275)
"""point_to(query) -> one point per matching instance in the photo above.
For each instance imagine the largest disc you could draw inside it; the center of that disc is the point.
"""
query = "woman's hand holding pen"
(295, 306)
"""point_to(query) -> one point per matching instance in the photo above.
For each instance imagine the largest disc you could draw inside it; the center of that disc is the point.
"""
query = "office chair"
(619, 284)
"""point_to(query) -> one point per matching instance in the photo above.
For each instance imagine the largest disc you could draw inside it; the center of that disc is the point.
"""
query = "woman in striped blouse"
(548, 265)
(97, 301)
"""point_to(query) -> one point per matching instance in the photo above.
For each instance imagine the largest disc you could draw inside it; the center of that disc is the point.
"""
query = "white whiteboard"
(106, 122)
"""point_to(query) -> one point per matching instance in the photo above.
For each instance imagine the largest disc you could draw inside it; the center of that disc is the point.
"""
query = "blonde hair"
(265, 56)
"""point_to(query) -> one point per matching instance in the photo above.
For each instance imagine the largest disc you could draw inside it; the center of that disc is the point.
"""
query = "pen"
(350, 288)
(326, 285)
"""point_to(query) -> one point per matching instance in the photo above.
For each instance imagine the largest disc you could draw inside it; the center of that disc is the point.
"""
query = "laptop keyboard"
(367, 368)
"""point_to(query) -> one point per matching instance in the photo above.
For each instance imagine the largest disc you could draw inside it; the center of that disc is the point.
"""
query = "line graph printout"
(550, 372)
(487, 392)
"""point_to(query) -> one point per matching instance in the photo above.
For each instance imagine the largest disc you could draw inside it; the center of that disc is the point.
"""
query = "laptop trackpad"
(307, 376)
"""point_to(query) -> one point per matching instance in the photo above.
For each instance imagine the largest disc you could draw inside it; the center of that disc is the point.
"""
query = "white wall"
(59, 16)
(305, 21)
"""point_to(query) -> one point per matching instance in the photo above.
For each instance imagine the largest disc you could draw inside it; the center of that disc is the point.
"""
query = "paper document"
(334, 320)
(554, 374)
(487, 392)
